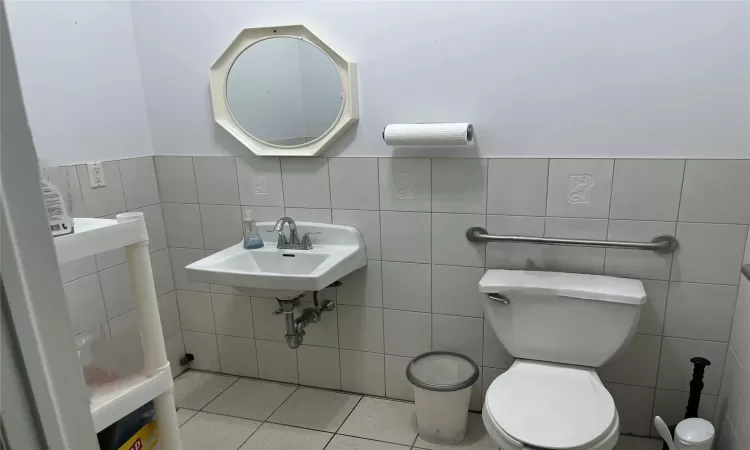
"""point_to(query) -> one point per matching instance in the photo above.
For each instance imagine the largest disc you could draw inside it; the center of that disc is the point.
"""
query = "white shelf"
(111, 402)
(94, 236)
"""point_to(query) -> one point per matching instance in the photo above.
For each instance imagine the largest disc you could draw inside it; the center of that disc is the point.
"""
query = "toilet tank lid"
(575, 285)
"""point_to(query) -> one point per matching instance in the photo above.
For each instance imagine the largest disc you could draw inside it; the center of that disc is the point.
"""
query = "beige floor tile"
(194, 390)
(476, 438)
(216, 432)
(184, 414)
(341, 442)
(637, 443)
(251, 399)
(383, 420)
(316, 409)
(280, 437)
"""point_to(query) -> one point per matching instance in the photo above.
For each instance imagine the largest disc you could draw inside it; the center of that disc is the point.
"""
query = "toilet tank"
(562, 317)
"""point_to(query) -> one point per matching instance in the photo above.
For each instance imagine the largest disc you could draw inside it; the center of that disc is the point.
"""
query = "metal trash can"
(442, 389)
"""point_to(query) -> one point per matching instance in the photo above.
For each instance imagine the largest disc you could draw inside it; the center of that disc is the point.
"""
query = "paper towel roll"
(428, 134)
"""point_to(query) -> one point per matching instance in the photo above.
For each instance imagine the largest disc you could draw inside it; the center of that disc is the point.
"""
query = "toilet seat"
(550, 405)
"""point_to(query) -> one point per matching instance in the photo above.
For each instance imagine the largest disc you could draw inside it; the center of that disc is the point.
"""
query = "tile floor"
(220, 412)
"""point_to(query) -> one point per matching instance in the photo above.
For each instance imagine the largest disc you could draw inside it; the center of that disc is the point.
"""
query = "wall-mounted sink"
(337, 251)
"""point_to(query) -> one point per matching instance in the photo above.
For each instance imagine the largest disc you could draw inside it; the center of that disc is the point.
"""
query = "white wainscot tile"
(636, 365)
(734, 398)
(139, 182)
(515, 255)
(406, 236)
(405, 184)
(76, 269)
(363, 287)
(161, 267)
(237, 356)
(277, 362)
(709, 253)
(306, 182)
(647, 189)
(183, 225)
(638, 263)
(267, 326)
(233, 315)
(85, 303)
(396, 383)
(458, 334)
(203, 346)
(181, 257)
(118, 297)
(449, 243)
(362, 372)
(368, 224)
(652, 312)
(574, 259)
(259, 179)
(195, 311)
(354, 183)
(157, 232)
(216, 180)
(518, 187)
(459, 185)
(176, 179)
(319, 367)
(407, 333)
(222, 226)
(634, 406)
(675, 368)
(455, 291)
(579, 187)
(169, 314)
(326, 332)
(106, 200)
(361, 328)
(716, 191)
(740, 338)
(318, 215)
(700, 311)
(494, 354)
(406, 286)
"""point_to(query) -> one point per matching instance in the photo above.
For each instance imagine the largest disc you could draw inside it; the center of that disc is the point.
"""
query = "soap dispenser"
(250, 235)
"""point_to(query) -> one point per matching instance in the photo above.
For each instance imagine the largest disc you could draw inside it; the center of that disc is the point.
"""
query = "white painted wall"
(80, 79)
(625, 79)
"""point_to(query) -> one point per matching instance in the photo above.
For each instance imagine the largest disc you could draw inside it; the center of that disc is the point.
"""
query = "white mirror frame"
(218, 81)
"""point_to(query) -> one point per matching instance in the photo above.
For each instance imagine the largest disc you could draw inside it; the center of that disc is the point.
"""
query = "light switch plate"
(96, 174)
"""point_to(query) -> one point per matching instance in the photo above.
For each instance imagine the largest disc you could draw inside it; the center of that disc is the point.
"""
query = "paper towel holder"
(469, 133)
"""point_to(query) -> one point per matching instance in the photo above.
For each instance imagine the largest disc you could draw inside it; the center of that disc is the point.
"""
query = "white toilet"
(559, 327)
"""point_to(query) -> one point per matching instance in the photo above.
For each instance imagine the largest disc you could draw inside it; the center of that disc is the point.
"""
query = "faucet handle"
(306, 243)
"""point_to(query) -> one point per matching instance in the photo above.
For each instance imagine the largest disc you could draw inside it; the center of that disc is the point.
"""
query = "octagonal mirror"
(281, 91)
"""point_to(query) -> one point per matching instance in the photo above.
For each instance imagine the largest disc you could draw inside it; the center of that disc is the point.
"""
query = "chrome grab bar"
(663, 243)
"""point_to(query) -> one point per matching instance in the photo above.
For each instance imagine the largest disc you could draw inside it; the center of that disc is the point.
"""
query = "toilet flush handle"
(499, 298)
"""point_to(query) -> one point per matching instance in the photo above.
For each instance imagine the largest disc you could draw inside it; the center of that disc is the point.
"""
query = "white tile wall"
(733, 407)
(418, 291)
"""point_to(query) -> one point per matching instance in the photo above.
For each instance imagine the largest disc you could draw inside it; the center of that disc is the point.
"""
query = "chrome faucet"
(292, 243)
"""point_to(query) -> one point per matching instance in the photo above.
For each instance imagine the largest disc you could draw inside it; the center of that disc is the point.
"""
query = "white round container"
(442, 389)
(694, 434)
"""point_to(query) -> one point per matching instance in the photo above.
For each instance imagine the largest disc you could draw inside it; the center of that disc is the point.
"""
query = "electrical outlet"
(96, 174)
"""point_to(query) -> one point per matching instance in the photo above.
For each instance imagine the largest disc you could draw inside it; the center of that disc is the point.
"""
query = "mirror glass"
(284, 91)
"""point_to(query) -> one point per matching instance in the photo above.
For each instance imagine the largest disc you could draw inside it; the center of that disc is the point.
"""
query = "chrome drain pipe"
(295, 327)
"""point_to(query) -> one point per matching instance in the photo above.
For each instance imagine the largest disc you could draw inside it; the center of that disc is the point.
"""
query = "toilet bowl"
(559, 327)
(546, 405)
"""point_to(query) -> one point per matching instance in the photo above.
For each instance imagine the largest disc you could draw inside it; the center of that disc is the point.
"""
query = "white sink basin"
(337, 251)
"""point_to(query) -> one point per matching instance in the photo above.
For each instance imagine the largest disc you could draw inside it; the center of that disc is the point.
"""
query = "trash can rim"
(443, 387)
